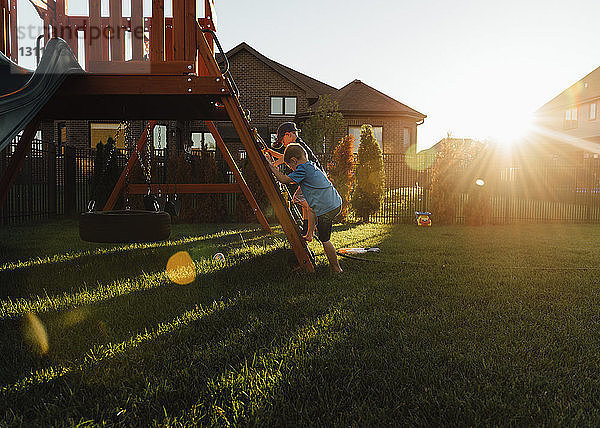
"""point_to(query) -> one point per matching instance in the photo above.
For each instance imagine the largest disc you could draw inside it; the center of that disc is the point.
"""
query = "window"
(283, 106)
(159, 137)
(592, 111)
(100, 132)
(62, 133)
(571, 118)
(355, 130)
(407, 137)
(273, 138)
(203, 138)
(242, 154)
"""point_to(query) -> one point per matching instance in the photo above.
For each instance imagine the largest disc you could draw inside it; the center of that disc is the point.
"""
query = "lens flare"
(479, 182)
(181, 269)
(34, 333)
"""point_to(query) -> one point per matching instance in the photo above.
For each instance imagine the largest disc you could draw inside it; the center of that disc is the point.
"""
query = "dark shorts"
(325, 224)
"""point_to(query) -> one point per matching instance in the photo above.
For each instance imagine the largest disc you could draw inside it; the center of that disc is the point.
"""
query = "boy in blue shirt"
(287, 133)
(324, 201)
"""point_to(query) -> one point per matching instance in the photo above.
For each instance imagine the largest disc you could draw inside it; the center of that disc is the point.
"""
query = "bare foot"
(308, 238)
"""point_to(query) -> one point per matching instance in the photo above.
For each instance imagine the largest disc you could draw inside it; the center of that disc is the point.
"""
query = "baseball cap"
(285, 127)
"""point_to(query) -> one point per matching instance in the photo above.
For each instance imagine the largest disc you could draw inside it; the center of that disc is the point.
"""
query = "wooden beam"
(137, 30)
(142, 67)
(127, 107)
(94, 33)
(179, 29)
(112, 199)
(169, 41)
(16, 160)
(240, 122)
(157, 32)
(117, 41)
(3, 26)
(145, 84)
(14, 40)
(238, 176)
(190, 31)
(186, 188)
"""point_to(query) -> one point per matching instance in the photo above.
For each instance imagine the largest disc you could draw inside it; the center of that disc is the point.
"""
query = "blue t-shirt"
(316, 187)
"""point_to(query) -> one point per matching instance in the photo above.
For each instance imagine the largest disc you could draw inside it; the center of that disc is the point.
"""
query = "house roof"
(585, 89)
(359, 97)
(355, 97)
(313, 87)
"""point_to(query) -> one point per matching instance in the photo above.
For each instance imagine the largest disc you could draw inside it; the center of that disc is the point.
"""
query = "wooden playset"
(170, 74)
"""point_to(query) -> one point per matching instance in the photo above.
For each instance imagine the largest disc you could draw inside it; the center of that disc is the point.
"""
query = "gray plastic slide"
(24, 93)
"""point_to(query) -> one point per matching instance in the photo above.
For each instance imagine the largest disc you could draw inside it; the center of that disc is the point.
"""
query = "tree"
(370, 176)
(341, 172)
(458, 166)
(324, 125)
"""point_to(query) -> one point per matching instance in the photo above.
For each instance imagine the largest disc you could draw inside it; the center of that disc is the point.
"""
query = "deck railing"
(118, 44)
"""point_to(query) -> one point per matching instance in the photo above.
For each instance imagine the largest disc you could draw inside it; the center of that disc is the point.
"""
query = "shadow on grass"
(185, 369)
(119, 261)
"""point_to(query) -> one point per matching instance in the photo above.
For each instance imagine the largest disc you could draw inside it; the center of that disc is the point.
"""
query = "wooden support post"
(241, 125)
(94, 33)
(179, 29)
(238, 176)
(157, 32)
(137, 30)
(14, 39)
(17, 158)
(3, 26)
(110, 203)
(190, 30)
(169, 41)
(117, 40)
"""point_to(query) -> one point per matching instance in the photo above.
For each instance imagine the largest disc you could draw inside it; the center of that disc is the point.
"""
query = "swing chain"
(146, 167)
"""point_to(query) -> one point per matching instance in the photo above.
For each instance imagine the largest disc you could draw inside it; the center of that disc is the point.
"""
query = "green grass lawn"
(447, 325)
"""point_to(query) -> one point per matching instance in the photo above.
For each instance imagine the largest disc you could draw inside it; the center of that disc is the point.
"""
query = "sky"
(476, 68)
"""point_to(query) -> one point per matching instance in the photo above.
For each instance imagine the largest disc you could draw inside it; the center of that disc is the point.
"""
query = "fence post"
(51, 178)
(70, 194)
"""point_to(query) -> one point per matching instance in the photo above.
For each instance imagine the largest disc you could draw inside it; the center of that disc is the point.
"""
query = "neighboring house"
(569, 124)
(275, 93)
(272, 93)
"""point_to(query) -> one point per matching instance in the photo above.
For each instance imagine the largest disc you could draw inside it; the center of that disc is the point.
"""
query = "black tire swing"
(126, 226)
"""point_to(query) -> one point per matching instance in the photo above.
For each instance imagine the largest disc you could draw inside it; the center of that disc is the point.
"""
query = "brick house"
(569, 124)
(275, 93)
(272, 93)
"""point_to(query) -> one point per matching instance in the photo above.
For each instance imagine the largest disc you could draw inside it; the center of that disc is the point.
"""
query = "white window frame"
(203, 137)
(284, 106)
(593, 112)
(355, 130)
(571, 118)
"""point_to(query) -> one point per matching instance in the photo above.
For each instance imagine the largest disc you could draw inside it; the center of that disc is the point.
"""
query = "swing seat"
(124, 226)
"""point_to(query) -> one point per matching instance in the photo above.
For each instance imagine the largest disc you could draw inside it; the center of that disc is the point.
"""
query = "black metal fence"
(56, 182)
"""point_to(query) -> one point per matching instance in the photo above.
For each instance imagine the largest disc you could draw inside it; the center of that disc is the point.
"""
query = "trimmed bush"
(370, 176)
(341, 172)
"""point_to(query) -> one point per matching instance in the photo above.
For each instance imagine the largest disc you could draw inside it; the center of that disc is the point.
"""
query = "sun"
(510, 132)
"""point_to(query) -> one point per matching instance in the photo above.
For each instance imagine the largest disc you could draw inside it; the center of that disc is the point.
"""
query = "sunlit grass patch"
(451, 325)
(101, 353)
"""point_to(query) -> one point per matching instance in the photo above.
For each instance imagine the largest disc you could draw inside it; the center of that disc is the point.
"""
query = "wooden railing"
(8, 26)
(157, 44)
